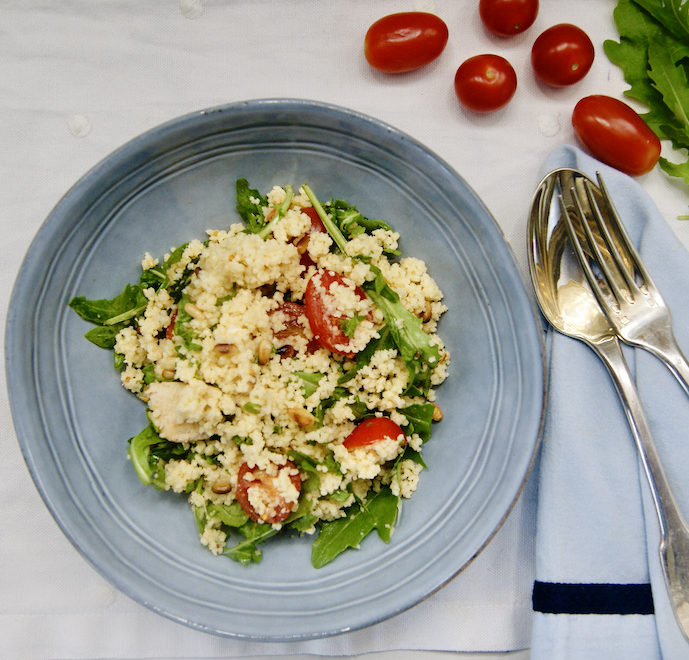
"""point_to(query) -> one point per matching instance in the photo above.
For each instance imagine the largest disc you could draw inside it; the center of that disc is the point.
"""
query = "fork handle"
(674, 533)
(665, 348)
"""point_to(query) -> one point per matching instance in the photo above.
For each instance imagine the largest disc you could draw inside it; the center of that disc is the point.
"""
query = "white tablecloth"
(79, 78)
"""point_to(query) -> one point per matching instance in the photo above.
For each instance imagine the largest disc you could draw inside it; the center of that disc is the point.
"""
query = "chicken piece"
(175, 407)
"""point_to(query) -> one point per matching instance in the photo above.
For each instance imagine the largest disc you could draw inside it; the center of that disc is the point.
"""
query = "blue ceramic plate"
(73, 417)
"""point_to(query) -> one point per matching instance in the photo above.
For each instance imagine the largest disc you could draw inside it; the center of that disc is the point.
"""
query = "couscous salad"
(287, 365)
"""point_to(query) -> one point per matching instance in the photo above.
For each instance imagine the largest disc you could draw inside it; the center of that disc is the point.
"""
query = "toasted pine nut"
(193, 310)
(263, 351)
(225, 349)
(437, 413)
(167, 374)
(221, 486)
(303, 244)
(301, 416)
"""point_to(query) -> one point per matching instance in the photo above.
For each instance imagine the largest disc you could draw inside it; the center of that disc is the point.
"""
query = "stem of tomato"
(279, 212)
(330, 226)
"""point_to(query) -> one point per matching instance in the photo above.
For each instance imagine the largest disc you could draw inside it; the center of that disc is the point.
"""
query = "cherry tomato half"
(484, 83)
(371, 431)
(615, 134)
(277, 509)
(562, 55)
(406, 41)
(325, 323)
(508, 17)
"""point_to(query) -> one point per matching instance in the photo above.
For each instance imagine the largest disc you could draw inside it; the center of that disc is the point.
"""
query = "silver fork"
(619, 279)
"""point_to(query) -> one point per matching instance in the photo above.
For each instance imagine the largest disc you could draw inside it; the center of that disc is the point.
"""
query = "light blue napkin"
(599, 590)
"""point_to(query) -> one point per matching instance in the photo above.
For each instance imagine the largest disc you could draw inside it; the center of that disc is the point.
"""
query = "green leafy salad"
(287, 365)
(653, 53)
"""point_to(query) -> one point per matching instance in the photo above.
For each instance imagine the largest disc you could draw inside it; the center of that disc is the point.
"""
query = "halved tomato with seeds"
(257, 485)
(324, 319)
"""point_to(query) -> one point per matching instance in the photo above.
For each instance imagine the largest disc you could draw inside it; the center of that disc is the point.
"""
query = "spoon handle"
(674, 533)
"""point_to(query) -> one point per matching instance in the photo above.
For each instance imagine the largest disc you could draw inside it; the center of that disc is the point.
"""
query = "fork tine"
(610, 273)
(575, 242)
(632, 255)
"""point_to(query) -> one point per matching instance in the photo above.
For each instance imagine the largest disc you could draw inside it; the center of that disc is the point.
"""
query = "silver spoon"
(569, 305)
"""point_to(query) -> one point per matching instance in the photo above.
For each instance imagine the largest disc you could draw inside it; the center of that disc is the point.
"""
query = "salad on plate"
(288, 366)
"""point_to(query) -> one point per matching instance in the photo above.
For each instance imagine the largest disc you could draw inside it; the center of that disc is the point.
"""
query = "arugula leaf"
(652, 53)
(348, 326)
(182, 331)
(309, 381)
(672, 14)
(250, 205)
(118, 361)
(419, 419)
(410, 454)
(247, 551)
(364, 357)
(126, 305)
(157, 277)
(378, 512)
(351, 221)
(146, 463)
(104, 336)
(278, 212)
(329, 402)
(669, 80)
(411, 340)
(231, 515)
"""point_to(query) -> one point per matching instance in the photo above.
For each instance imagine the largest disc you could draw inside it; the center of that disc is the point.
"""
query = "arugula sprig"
(111, 315)
(378, 512)
(653, 53)
(250, 204)
(148, 453)
(412, 342)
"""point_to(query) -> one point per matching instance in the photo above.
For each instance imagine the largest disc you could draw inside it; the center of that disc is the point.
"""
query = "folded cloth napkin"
(599, 590)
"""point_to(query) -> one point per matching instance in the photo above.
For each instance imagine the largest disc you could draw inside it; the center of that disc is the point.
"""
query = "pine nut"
(301, 416)
(193, 311)
(221, 486)
(225, 349)
(167, 374)
(264, 350)
(303, 245)
(437, 413)
(427, 312)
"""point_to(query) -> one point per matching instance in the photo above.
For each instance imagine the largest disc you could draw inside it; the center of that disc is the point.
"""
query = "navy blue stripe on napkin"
(563, 598)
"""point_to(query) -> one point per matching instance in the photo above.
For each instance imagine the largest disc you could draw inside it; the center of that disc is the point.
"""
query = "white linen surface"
(79, 78)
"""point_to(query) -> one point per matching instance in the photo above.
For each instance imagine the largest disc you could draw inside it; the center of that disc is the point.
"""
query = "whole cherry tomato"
(562, 55)
(320, 307)
(484, 83)
(615, 134)
(276, 507)
(373, 430)
(508, 17)
(406, 41)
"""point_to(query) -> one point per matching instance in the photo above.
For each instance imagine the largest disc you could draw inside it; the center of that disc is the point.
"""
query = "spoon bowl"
(559, 282)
